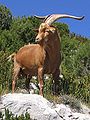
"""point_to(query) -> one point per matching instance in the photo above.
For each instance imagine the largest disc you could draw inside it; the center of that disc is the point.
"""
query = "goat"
(43, 57)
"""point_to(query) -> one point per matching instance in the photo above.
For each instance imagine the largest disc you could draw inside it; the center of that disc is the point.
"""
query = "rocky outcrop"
(39, 108)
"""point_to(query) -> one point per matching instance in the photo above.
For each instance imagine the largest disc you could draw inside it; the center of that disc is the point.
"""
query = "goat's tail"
(11, 57)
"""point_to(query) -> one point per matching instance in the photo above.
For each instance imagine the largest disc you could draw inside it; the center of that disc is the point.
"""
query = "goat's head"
(46, 29)
(44, 32)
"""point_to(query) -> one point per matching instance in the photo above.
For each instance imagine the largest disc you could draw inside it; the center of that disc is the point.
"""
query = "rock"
(39, 108)
(85, 109)
(34, 104)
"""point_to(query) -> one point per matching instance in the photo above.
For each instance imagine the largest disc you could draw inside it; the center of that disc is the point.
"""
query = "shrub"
(71, 101)
(9, 116)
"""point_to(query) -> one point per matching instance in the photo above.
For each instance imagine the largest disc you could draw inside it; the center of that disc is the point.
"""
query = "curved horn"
(52, 18)
(42, 17)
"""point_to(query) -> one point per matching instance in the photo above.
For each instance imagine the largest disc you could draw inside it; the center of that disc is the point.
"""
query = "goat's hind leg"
(15, 75)
(56, 83)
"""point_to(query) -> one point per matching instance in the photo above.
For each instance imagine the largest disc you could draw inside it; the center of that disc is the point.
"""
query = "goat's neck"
(54, 45)
(53, 48)
(53, 54)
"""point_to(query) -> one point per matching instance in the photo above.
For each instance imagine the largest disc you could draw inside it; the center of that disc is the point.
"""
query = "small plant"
(10, 116)
(71, 101)
(1, 116)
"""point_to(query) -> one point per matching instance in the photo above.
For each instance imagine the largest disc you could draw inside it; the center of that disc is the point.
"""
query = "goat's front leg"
(40, 79)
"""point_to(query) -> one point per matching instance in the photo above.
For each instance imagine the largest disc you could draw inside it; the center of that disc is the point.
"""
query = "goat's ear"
(52, 30)
(36, 30)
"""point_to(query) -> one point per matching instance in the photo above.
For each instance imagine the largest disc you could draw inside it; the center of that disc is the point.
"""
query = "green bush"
(72, 102)
(76, 68)
(5, 17)
(9, 116)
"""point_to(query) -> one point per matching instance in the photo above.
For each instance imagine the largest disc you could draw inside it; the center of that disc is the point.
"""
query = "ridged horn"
(52, 18)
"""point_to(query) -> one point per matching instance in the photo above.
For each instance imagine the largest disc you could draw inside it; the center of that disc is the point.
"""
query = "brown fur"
(41, 58)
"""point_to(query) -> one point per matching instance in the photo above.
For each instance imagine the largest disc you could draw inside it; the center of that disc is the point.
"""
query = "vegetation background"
(16, 32)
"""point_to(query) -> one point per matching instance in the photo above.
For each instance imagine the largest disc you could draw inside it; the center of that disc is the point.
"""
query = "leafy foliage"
(63, 29)
(76, 67)
(10, 116)
(72, 102)
(5, 17)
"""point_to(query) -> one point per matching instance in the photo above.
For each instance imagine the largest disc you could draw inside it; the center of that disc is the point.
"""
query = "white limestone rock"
(39, 108)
